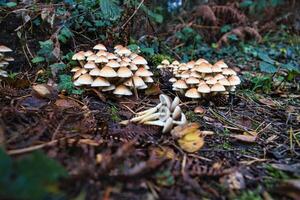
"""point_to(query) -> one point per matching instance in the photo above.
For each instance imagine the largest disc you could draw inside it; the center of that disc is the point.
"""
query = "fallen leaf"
(154, 89)
(163, 152)
(244, 138)
(191, 142)
(268, 102)
(180, 131)
(205, 133)
(234, 181)
(289, 188)
(66, 103)
(44, 91)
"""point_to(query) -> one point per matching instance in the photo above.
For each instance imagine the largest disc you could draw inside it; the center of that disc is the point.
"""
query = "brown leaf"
(154, 89)
(290, 188)
(180, 131)
(245, 138)
(66, 103)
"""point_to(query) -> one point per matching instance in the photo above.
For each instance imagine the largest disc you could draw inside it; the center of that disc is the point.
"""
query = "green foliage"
(156, 59)
(110, 10)
(114, 114)
(66, 83)
(7, 4)
(165, 178)
(45, 54)
(32, 177)
(258, 6)
(65, 34)
(249, 195)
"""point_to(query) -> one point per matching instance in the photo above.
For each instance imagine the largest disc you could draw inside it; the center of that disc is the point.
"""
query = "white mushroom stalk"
(166, 114)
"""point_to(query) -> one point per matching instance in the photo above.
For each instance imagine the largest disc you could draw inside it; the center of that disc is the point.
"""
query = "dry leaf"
(191, 142)
(180, 131)
(163, 152)
(44, 91)
(245, 138)
(154, 89)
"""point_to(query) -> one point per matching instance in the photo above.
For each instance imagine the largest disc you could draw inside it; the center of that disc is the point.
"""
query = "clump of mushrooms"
(119, 72)
(4, 60)
(166, 114)
(197, 79)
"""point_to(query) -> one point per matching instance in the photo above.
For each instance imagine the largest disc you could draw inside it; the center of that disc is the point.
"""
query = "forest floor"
(105, 160)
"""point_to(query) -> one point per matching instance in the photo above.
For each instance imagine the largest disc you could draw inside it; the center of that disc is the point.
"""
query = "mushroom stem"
(150, 117)
(155, 123)
(151, 110)
(182, 121)
(175, 103)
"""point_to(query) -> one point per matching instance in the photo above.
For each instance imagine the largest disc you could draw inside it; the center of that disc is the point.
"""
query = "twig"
(128, 20)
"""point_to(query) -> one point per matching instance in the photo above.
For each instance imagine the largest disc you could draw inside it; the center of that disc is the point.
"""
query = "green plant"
(114, 114)
(66, 83)
(33, 177)
(249, 195)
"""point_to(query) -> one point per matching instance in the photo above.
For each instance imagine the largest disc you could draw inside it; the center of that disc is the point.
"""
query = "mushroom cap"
(4, 63)
(211, 81)
(201, 60)
(142, 87)
(111, 56)
(123, 51)
(88, 53)
(133, 56)
(4, 49)
(165, 62)
(139, 60)
(160, 67)
(124, 72)
(126, 59)
(123, 63)
(219, 76)
(133, 67)
(128, 82)
(228, 71)
(100, 82)
(234, 80)
(78, 56)
(95, 72)
(122, 90)
(92, 57)
(224, 82)
(118, 47)
(100, 47)
(176, 113)
(207, 77)
(192, 80)
(203, 88)
(101, 59)
(84, 79)
(195, 74)
(185, 74)
(183, 68)
(113, 64)
(75, 69)
(175, 63)
(101, 53)
(201, 82)
(168, 125)
(138, 81)
(108, 72)
(217, 88)
(172, 80)
(165, 100)
(180, 84)
(143, 72)
(9, 59)
(192, 93)
(79, 73)
(90, 65)
(146, 66)
(190, 64)
(148, 79)
(109, 88)
(216, 69)
(221, 64)
(204, 68)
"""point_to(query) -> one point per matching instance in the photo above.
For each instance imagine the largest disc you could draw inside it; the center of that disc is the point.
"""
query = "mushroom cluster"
(166, 114)
(120, 72)
(4, 60)
(197, 79)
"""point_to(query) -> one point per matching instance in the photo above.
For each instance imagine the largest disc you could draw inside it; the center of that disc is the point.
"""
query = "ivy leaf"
(110, 9)
(267, 67)
(149, 51)
(265, 57)
(66, 83)
(11, 4)
(38, 59)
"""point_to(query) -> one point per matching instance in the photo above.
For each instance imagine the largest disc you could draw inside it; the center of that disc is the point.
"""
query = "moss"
(158, 58)
(114, 114)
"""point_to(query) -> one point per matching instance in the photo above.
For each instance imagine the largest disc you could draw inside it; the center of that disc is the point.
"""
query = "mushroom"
(167, 126)
(122, 90)
(100, 82)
